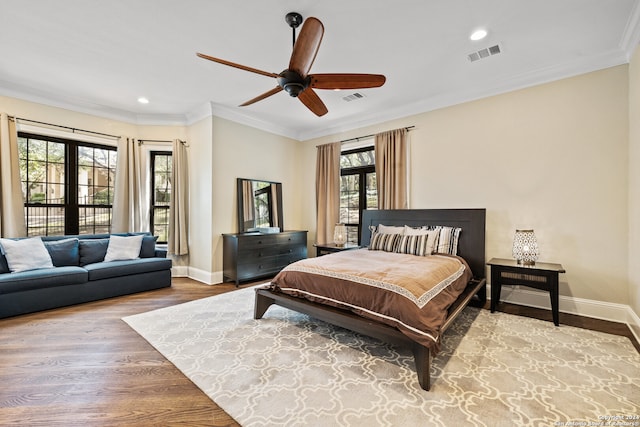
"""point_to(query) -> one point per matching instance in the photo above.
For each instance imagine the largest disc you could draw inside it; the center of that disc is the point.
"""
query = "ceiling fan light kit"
(296, 80)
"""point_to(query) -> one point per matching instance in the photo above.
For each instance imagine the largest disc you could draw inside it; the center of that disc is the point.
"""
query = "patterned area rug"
(494, 369)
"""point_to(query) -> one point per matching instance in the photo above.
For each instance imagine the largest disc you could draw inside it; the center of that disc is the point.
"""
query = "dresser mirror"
(259, 206)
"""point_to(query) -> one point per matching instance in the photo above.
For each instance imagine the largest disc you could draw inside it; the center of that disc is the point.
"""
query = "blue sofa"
(80, 275)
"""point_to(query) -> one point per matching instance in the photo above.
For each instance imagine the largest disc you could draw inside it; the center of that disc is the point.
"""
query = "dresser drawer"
(249, 243)
(250, 256)
(266, 266)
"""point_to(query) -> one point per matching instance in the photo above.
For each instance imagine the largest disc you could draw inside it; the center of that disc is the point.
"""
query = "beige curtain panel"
(127, 198)
(178, 212)
(327, 191)
(12, 222)
(391, 169)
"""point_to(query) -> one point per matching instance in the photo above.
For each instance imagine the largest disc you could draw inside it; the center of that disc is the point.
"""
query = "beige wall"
(634, 182)
(552, 158)
(560, 158)
(244, 152)
(200, 160)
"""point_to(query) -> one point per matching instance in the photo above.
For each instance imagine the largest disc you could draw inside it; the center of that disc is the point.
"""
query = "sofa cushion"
(148, 248)
(42, 278)
(92, 250)
(25, 254)
(123, 248)
(64, 252)
(105, 270)
(4, 266)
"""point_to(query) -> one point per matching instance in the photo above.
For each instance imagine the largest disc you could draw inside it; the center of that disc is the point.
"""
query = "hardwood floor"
(83, 366)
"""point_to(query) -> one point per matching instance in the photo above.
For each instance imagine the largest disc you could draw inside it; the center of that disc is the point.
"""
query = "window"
(262, 198)
(160, 194)
(67, 185)
(357, 188)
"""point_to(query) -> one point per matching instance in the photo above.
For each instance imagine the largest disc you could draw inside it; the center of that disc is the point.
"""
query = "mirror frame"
(278, 204)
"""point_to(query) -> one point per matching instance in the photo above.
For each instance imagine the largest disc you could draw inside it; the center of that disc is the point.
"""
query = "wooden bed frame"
(471, 247)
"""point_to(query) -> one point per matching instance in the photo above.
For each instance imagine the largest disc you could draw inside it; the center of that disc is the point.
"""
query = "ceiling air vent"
(353, 97)
(484, 53)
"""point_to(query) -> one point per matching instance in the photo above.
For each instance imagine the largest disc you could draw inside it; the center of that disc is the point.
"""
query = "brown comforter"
(411, 293)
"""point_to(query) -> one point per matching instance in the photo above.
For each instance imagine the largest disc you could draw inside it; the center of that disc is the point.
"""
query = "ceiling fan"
(296, 80)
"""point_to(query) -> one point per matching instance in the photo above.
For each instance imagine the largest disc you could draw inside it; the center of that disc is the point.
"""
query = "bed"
(442, 307)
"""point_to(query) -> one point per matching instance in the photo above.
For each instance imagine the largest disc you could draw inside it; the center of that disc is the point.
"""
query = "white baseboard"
(179, 271)
(206, 277)
(582, 307)
(634, 323)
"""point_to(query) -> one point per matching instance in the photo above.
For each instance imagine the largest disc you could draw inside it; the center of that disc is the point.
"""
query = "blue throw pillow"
(93, 250)
(4, 265)
(64, 252)
(148, 248)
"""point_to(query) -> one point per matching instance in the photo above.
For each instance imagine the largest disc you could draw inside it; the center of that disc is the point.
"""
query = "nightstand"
(328, 248)
(541, 275)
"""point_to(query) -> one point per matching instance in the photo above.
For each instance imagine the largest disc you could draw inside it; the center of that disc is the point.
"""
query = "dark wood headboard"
(471, 245)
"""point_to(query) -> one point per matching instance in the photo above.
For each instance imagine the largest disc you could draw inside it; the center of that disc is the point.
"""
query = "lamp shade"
(525, 247)
(340, 235)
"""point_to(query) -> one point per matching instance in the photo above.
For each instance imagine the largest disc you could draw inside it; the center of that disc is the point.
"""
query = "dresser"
(248, 256)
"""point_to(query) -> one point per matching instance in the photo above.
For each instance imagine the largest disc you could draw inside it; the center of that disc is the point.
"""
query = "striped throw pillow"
(384, 242)
(447, 242)
(417, 244)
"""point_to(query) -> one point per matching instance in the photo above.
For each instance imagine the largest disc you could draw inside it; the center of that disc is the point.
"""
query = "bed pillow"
(388, 229)
(123, 248)
(384, 242)
(447, 242)
(64, 252)
(417, 244)
(26, 254)
(415, 231)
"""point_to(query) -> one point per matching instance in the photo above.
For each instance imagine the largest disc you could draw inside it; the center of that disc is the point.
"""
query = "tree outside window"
(160, 194)
(67, 185)
(357, 189)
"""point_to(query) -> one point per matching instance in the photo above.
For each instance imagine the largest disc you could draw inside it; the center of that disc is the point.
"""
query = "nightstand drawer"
(507, 277)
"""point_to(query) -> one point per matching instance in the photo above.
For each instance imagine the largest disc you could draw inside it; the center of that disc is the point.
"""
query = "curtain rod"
(73, 130)
(358, 138)
(142, 141)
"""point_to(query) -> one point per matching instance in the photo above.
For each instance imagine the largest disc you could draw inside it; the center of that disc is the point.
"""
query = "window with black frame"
(160, 194)
(67, 185)
(357, 188)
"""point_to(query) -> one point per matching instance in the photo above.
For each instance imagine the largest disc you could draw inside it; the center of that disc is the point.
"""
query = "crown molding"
(631, 34)
(469, 93)
(620, 56)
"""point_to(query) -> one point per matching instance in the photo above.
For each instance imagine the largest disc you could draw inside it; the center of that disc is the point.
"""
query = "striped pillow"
(421, 245)
(384, 242)
(447, 242)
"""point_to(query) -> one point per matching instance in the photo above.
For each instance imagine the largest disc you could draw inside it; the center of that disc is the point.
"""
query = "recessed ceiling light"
(143, 100)
(478, 35)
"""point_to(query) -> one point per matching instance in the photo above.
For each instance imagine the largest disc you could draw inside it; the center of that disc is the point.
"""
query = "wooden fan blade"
(306, 47)
(233, 64)
(313, 102)
(346, 81)
(263, 96)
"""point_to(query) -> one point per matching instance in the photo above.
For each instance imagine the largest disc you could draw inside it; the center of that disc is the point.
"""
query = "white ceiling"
(100, 56)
